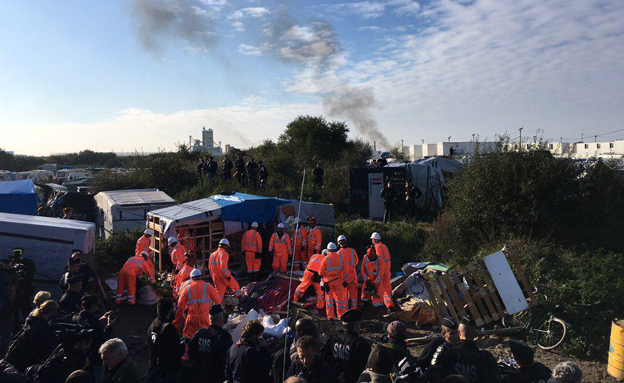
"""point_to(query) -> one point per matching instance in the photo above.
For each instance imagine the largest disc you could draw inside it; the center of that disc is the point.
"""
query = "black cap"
(450, 323)
(216, 309)
(74, 279)
(521, 350)
(468, 320)
(74, 261)
(352, 315)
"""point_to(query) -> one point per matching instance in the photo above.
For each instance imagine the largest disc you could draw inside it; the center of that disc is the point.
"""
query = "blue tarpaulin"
(18, 197)
(241, 207)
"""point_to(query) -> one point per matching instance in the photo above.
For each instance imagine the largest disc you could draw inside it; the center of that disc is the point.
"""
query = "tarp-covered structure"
(122, 210)
(48, 241)
(18, 197)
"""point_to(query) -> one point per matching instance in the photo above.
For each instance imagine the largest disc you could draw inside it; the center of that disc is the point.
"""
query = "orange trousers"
(386, 287)
(126, 281)
(377, 298)
(351, 293)
(253, 264)
(301, 257)
(334, 299)
(280, 262)
(303, 287)
(194, 323)
(221, 284)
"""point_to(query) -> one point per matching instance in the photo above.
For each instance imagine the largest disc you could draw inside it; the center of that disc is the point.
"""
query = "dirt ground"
(132, 324)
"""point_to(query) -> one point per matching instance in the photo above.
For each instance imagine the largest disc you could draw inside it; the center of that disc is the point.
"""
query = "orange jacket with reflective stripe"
(197, 298)
(371, 270)
(280, 245)
(315, 262)
(142, 244)
(177, 255)
(137, 265)
(350, 259)
(315, 239)
(181, 276)
(383, 253)
(218, 263)
(301, 237)
(332, 268)
(252, 241)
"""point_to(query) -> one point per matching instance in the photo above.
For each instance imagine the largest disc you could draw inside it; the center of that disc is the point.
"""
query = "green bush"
(116, 249)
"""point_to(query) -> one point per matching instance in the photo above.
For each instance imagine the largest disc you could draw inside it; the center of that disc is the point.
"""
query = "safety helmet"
(144, 254)
(172, 240)
(376, 236)
(254, 224)
(341, 238)
(311, 219)
(281, 226)
(196, 273)
(224, 241)
(148, 232)
(324, 252)
(332, 246)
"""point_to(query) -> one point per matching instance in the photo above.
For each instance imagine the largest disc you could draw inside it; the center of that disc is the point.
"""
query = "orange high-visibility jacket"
(142, 245)
(332, 268)
(315, 263)
(315, 239)
(351, 260)
(196, 300)
(280, 245)
(136, 266)
(383, 253)
(252, 241)
(181, 276)
(301, 237)
(371, 270)
(177, 255)
(218, 264)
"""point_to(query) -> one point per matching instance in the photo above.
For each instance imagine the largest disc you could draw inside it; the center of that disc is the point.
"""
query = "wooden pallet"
(470, 289)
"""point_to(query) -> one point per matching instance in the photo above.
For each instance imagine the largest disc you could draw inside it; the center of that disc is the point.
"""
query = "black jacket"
(208, 353)
(247, 364)
(164, 342)
(320, 372)
(32, 345)
(399, 352)
(477, 366)
(59, 366)
(348, 354)
(424, 360)
(535, 373)
(101, 333)
(70, 303)
(389, 195)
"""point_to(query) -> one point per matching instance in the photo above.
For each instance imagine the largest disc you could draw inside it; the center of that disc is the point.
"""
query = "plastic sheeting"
(18, 197)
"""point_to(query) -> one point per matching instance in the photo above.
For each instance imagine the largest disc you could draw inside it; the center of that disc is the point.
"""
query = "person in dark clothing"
(70, 302)
(412, 193)
(209, 348)
(528, 371)
(88, 276)
(201, 168)
(252, 172)
(120, 366)
(397, 333)
(448, 334)
(10, 374)
(346, 351)
(164, 343)
(309, 365)
(72, 356)
(249, 360)
(80, 376)
(477, 366)
(379, 366)
(211, 168)
(318, 173)
(23, 291)
(73, 269)
(89, 319)
(35, 341)
(226, 167)
(240, 169)
(389, 196)
(263, 173)
(381, 162)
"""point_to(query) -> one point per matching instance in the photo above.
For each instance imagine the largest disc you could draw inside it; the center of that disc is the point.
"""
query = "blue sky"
(125, 75)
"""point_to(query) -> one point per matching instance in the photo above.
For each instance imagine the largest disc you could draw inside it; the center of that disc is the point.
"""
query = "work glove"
(316, 278)
(258, 256)
(229, 278)
(345, 284)
(302, 248)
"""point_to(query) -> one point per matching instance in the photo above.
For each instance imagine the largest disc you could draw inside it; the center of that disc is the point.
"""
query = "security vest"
(200, 296)
(315, 262)
(300, 237)
(370, 270)
(218, 263)
(142, 244)
(315, 239)
(280, 245)
(136, 266)
(252, 242)
(351, 260)
(332, 268)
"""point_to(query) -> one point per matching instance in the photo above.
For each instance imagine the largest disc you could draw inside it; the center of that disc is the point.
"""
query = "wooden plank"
(475, 296)
(439, 297)
(436, 306)
(491, 287)
(456, 301)
(522, 278)
(467, 299)
(447, 299)
(483, 292)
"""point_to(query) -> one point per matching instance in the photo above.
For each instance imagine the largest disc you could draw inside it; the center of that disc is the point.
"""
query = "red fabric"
(277, 294)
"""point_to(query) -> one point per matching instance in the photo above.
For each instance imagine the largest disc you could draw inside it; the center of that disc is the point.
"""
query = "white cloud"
(365, 9)
(250, 50)
(405, 7)
(256, 12)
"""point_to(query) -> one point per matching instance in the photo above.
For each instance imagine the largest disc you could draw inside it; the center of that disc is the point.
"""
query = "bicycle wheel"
(521, 319)
(551, 333)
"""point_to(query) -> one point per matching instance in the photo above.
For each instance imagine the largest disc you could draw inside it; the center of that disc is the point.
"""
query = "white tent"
(48, 241)
(122, 210)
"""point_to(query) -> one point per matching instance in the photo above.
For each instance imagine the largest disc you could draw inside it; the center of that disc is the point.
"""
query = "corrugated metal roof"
(137, 196)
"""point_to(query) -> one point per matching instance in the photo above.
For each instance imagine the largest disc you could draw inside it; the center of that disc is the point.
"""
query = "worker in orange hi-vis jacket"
(311, 277)
(220, 272)
(314, 239)
(252, 245)
(350, 259)
(334, 281)
(126, 280)
(184, 274)
(385, 265)
(281, 247)
(300, 238)
(184, 238)
(371, 289)
(177, 253)
(143, 243)
(194, 305)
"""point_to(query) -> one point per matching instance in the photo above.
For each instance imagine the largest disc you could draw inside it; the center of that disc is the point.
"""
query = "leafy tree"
(313, 138)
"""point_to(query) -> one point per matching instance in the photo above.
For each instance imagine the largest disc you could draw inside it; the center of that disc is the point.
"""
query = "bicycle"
(550, 331)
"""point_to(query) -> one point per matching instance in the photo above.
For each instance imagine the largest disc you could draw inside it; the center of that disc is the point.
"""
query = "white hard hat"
(281, 226)
(332, 246)
(148, 232)
(376, 236)
(224, 241)
(196, 273)
(341, 238)
(324, 252)
(172, 240)
(254, 224)
(145, 253)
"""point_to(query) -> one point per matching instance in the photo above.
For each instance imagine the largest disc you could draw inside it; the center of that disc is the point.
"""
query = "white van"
(77, 176)
(62, 175)
(41, 176)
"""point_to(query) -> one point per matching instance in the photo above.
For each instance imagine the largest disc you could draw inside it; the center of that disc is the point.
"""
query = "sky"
(126, 75)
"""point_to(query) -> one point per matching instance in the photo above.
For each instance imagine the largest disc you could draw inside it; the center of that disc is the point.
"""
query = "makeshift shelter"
(122, 210)
(18, 197)
(206, 221)
(47, 241)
